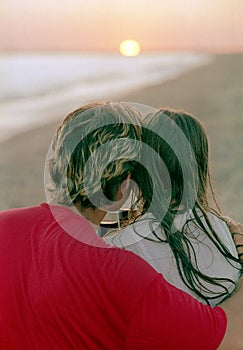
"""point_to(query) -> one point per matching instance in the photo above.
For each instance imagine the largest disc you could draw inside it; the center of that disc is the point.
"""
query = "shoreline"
(211, 92)
(34, 107)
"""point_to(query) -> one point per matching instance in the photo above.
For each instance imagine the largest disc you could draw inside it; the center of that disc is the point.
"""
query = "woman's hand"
(236, 229)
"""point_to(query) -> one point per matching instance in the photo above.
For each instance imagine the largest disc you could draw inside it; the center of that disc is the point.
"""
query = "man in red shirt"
(62, 287)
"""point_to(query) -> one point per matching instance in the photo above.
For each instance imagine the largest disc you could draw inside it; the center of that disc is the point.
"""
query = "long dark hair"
(176, 179)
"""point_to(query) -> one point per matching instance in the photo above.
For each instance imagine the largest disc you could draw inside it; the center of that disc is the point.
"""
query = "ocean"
(36, 88)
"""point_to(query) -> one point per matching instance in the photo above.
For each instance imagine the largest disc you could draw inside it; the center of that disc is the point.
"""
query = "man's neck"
(93, 215)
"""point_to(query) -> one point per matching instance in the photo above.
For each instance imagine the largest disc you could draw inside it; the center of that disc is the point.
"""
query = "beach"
(212, 92)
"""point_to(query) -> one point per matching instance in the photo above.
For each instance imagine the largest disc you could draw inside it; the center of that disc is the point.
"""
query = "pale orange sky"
(216, 25)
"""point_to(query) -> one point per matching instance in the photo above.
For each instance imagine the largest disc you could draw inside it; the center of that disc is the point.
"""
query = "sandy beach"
(213, 93)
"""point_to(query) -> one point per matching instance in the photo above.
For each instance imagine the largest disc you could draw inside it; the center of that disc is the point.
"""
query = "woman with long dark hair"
(179, 233)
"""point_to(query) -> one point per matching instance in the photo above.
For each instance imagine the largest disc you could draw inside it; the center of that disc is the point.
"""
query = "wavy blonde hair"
(94, 150)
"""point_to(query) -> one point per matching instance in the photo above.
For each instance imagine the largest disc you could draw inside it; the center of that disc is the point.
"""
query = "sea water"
(36, 88)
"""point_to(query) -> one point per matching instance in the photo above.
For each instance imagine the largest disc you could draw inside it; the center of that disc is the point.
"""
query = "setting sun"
(130, 48)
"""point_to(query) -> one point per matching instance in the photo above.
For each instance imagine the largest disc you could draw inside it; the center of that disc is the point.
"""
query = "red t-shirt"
(61, 292)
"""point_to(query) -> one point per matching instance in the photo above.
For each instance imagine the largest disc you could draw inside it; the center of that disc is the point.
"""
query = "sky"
(93, 25)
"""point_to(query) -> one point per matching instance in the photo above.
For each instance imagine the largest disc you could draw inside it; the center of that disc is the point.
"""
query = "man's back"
(56, 291)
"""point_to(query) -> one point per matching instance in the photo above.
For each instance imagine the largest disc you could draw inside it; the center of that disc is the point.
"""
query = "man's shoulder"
(21, 211)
